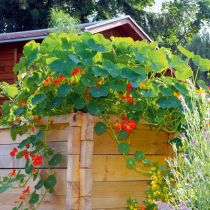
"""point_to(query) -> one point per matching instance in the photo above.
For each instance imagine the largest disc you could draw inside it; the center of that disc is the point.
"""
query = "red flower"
(18, 119)
(41, 121)
(47, 81)
(34, 170)
(32, 127)
(118, 127)
(25, 191)
(142, 207)
(27, 126)
(76, 70)
(96, 86)
(36, 119)
(61, 77)
(28, 145)
(23, 103)
(16, 201)
(26, 153)
(99, 81)
(13, 173)
(21, 131)
(22, 197)
(87, 88)
(37, 160)
(57, 81)
(51, 121)
(13, 152)
(12, 123)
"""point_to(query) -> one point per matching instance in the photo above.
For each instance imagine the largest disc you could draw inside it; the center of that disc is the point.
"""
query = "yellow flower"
(178, 184)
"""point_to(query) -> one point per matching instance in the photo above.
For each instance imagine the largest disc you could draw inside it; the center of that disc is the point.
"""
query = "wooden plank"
(50, 202)
(75, 120)
(111, 208)
(70, 201)
(73, 142)
(144, 140)
(60, 187)
(59, 119)
(86, 154)
(56, 133)
(7, 63)
(85, 182)
(115, 194)
(113, 168)
(85, 203)
(8, 161)
(73, 166)
(15, 62)
(87, 127)
(6, 70)
(8, 56)
(6, 50)
(6, 76)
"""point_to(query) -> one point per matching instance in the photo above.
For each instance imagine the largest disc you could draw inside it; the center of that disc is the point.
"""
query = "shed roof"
(126, 23)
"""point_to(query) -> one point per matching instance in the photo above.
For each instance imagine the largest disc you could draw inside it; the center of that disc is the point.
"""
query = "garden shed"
(11, 44)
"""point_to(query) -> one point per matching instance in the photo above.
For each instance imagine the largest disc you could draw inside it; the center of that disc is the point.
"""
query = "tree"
(21, 15)
(200, 45)
(178, 22)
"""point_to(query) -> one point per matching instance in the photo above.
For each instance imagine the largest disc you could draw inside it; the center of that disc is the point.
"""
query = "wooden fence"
(93, 174)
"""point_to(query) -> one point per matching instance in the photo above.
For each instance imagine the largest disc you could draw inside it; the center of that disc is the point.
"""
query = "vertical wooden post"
(74, 131)
(15, 61)
(86, 155)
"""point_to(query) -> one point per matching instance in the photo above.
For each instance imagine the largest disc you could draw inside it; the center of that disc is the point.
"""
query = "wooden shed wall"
(93, 174)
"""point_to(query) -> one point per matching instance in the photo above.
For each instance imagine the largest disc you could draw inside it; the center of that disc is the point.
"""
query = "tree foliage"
(200, 45)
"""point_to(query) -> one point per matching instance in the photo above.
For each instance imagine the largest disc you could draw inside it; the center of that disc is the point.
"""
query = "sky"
(157, 7)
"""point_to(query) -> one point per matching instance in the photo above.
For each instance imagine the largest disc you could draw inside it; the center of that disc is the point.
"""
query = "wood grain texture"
(113, 168)
(73, 142)
(86, 182)
(115, 194)
(85, 203)
(87, 127)
(144, 140)
(70, 200)
(75, 120)
(86, 154)
(73, 168)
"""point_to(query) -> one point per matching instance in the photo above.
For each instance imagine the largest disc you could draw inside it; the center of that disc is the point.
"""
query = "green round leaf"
(158, 119)
(130, 162)
(56, 159)
(39, 184)
(79, 88)
(128, 73)
(185, 52)
(161, 167)
(95, 108)
(55, 103)
(80, 103)
(88, 80)
(35, 138)
(34, 198)
(38, 98)
(118, 85)
(20, 111)
(164, 103)
(123, 147)
(98, 92)
(113, 69)
(100, 128)
(167, 91)
(139, 155)
(23, 143)
(64, 89)
(122, 134)
(146, 161)
(28, 168)
(176, 141)
(175, 102)
(98, 71)
(181, 87)
(50, 182)
(87, 57)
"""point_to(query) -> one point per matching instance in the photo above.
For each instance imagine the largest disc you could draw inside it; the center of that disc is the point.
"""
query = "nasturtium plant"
(88, 73)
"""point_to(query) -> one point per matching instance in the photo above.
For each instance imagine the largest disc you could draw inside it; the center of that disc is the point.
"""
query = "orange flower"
(51, 121)
(18, 119)
(12, 173)
(22, 197)
(25, 191)
(79, 112)
(99, 81)
(72, 111)
(26, 153)
(118, 127)
(41, 121)
(28, 145)
(36, 92)
(142, 207)
(87, 88)
(12, 124)
(47, 81)
(21, 131)
(36, 119)
(23, 103)
(32, 127)
(13, 152)
(143, 84)
(57, 81)
(176, 94)
(16, 201)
